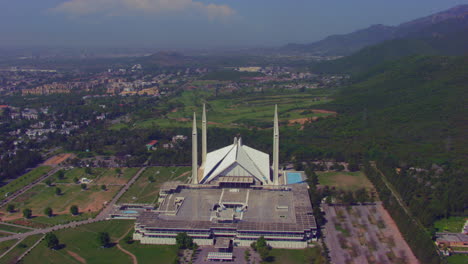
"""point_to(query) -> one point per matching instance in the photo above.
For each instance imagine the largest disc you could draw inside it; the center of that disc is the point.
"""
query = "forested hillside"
(410, 117)
(410, 113)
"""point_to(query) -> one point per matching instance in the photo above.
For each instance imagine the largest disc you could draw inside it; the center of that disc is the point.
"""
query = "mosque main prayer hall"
(234, 197)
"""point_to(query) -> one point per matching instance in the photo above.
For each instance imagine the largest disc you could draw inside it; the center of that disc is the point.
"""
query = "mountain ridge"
(346, 44)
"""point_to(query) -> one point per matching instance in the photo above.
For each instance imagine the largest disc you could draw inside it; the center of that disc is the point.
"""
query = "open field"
(41, 196)
(255, 111)
(81, 245)
(150, 253)
(24, 180)
(13, 229)
(294, 256)
(144, 191)
(452, 224)
(98, 175)
(348, 181)
(458, 259)
(5, 245)
(364, 234)
(12, 256)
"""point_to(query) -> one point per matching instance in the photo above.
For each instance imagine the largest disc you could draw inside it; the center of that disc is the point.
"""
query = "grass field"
(143, 191)
(24, 180)
(81, 243)
(256, 110)
(41, 196)
(150, 253)
(5, 245)
(13, 255)
(458, 259)
(13, 229)
(348, 181)
(451, 224)
(98, 175)
(294, 256)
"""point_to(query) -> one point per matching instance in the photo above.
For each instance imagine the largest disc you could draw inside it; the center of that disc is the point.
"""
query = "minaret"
(275, 148)
(194, 151)
(204, 142)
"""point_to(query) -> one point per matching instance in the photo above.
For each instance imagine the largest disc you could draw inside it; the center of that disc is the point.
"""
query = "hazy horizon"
(187, 24)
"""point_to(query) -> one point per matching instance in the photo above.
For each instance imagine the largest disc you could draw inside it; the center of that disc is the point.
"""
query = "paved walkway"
(100, 217)
(134, 258)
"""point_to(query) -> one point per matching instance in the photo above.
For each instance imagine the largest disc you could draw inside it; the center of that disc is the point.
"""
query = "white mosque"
(237, 164)
(234, 197)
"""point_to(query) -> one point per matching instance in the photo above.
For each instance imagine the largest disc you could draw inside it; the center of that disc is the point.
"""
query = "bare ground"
(76, 256)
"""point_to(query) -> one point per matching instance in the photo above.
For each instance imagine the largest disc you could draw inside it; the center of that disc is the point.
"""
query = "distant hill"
(167, 59)
(447, 37)
(347, 44)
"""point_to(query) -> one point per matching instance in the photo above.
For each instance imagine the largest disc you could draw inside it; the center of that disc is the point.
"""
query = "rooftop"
(282, 210)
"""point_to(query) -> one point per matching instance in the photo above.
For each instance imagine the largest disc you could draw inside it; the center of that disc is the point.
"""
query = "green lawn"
(24, 180)
(344, 180)
(295, 256)
(81, 242)
(150, 253)
(458, 259)
(451, 224)
(62, 219)
(143, 191)
(13, 229)
(41, 196)
(79, 173)
(256, 110)
(11, 256)
(5, 245)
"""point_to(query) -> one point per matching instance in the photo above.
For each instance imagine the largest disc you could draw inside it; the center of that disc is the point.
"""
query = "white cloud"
(122, 7)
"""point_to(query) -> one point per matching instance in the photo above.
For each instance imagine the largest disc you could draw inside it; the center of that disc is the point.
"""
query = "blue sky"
(197, 23)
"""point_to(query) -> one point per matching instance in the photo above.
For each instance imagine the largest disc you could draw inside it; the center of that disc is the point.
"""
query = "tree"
(118, 171)
(261, 246)
(61, 175)
(74, 210)
(88, 170)
(84, 186)
(51, 240)
(128, 239)
(76, 180)
(361, 195)
(103, 239)
(58, 191)
(103, 187)
(10, 208)
(353, 166)
(48, 211)
(48, 182)
(184, 241)
(151, 178)
(27, 213)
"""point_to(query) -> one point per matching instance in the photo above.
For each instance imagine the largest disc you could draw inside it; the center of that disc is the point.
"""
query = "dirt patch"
(322, 111)
(57, 159)
(112, 180)
(213, 123)
(175, 110)
(182, 119)
(76, 256)
(302, 121)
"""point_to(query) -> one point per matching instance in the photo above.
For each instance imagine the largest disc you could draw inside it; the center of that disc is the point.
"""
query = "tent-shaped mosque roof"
(237, 160)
